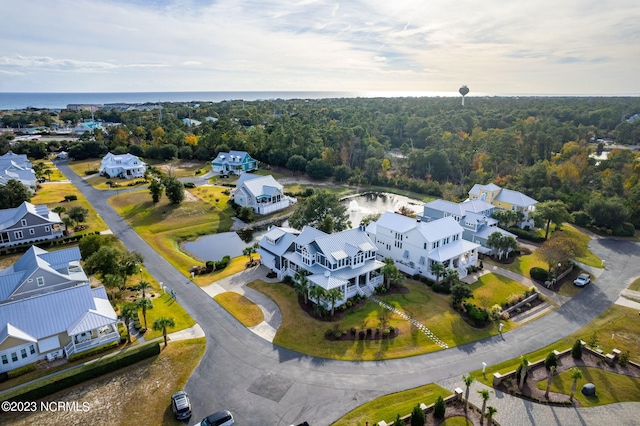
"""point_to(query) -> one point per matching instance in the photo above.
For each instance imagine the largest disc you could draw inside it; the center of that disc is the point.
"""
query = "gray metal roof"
(348, 241)
(52, 313)
(440, 228)
(11, 331)
(396, 222)
(476, 206)
(260, 185)
(9, 217)
(445, 206)
(516, 198)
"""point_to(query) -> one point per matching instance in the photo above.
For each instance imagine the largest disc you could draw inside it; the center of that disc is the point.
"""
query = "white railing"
(72, 348)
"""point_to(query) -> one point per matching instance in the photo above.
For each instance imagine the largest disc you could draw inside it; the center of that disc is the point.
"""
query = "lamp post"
(140, 274)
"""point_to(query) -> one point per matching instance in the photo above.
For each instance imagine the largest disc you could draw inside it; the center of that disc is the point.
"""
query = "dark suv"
(181, 405)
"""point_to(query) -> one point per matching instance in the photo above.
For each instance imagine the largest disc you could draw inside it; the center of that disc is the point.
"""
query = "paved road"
(263, 384)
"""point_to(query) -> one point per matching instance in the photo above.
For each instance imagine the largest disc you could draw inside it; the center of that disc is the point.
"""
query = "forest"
(542, 146)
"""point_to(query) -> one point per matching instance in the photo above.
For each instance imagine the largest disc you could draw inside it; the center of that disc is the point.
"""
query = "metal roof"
(515, 197)
(451, 250)
(396, 222)
(260, 185)
(440, 228)
(10, 331)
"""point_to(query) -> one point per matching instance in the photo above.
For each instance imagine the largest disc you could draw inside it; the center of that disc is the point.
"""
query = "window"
(425, 246)
(406, 254)
(23, 222)
(14, 356)
(23, 353)
(4, 359)
(32, 349)
(32, 231)
(422, 260)
(18, 235)
(40, 281)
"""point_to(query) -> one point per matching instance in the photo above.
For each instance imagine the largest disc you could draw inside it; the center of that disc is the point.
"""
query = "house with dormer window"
(505, 199)
(345, 260)
(415, 245)
(28, 223)
(262, 193)
(17, 167)
(125, 166)
(48, 309)
(474, 216)
(233, 163)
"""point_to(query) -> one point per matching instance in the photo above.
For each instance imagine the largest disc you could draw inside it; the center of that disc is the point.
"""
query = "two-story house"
(262, 193)
(125, 166)
(345, 260)
(505, 199)
(17, 167)
(415, 245)
(233, 163)
(49, 310)
(28, 223)
(474, 216)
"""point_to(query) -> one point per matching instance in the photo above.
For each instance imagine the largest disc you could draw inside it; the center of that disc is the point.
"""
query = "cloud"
(64, 65)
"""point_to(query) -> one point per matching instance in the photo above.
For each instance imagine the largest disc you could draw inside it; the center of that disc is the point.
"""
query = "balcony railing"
(72, 348)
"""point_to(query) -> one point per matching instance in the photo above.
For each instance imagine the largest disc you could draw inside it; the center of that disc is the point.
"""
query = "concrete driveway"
(263, 384)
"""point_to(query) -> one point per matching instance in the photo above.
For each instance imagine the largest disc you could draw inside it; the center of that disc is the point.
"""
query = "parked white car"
(582, 280)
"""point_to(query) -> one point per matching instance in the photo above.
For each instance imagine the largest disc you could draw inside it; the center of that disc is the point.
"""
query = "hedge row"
(527, 235)
(86, 372)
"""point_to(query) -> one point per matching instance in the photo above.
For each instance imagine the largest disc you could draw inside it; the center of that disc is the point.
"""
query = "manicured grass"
(635, 285)
(410, 194)
(588, 258)
(569, 289)
(53, 194)
(610, 387)
(302, 333)
(164, 226)
(165, 306)
(182, 168)
(237, 264)
(276, 175)
(523, 264)
(492, 289)
(244, 310)
(298, 188)
(389, 406)
(82, 166)
(55, 175)
(100, 182)
(617, 320)
(456, 421)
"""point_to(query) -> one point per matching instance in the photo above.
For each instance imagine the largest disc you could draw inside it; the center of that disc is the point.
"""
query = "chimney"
(327, 274)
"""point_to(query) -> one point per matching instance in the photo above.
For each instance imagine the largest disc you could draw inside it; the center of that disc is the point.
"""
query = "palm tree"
(249, 251)
(48, 173)
(301, 285)
(451, 276)
(468, 379)
(112, 281)
(161, 324)
(506, 245)
(576, 375)
(317, 292)
(490, 413)
(389, 270)
(333, 295)
(127, 312)
(144, 304)
(437, 269)
(524, 370)
(494, 241)
(484, 394)
(143, 285)
(551, 371)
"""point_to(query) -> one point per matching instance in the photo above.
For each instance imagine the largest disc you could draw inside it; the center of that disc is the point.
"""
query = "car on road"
(181, 405)
(582, 280)
(219, 418)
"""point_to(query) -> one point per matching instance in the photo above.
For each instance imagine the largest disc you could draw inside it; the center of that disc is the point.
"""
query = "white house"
(125, 166)
(262, 193)
(17, 167)
(49, 310)
(473, 215)
(415, 245)
(233, 163)
(345, 260)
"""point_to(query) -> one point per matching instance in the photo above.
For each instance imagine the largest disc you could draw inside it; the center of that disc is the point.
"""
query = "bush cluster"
(539, 274)
(21, 370)
(526, 235)
(478, 316)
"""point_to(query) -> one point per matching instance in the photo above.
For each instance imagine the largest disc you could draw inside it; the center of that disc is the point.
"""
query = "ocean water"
(11, 101)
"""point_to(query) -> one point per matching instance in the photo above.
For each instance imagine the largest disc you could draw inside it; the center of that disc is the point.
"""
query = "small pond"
(215, 247)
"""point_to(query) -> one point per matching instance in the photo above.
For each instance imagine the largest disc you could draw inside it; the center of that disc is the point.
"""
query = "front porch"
(92, 338)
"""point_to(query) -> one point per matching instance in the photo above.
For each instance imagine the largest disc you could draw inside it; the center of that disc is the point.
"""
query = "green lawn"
(164, 226)
(635, 285)
(304, 334)
(244, 310)
(492, 289)
(389, 406)
(164, 305)
(82, 166)
(610, 387)
(620, 321)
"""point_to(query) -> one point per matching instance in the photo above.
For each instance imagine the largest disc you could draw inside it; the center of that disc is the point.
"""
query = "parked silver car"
(582, 280)
(181, 405)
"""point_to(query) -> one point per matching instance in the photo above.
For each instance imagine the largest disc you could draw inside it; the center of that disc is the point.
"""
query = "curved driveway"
(263, 384)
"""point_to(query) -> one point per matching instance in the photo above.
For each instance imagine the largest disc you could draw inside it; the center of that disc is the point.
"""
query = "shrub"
(581, 218)
(338, 334)
(539, 274)
(526, 235)
(21, 370)
(439, 409)
(99, 349)
(494, 312)
(210, 264)
(593, 340)
(624, 358)
(625, 229)
(189, 185)
(477, 315)
(71, 197)
(576, 350)
(353, 330)
(329, 332)
(223, 263)
(417, 416)
(287, 279)
(361, 334)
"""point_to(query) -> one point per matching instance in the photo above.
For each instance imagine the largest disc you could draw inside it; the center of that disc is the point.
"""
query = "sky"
(496, 47)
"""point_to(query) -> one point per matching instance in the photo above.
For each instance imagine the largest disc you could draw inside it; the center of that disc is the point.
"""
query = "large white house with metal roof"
(262, 193)
(49, 310)
(28, 223)
(125, 166)
(474, 216)
(345, 260)
(17, 167)
(415, 245)
(233, 163)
